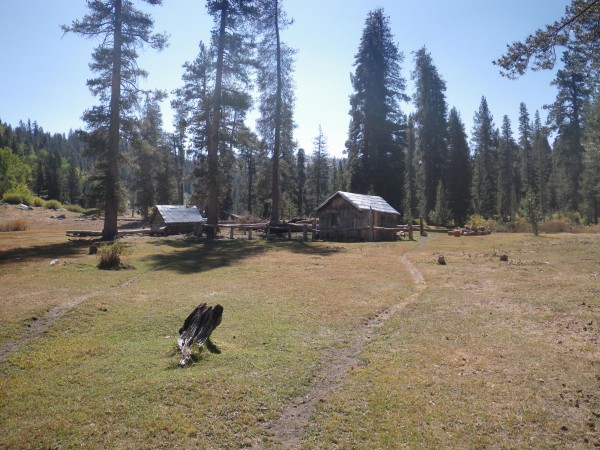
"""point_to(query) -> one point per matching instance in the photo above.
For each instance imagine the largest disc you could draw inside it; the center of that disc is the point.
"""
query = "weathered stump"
(197, 328)
(93, 250)
(441, 260)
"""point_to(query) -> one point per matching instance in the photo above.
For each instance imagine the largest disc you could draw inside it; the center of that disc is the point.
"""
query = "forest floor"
(322, 345)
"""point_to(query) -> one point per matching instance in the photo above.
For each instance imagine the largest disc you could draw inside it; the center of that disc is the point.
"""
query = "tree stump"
(504, 258)
(197, 328)
(441, 260)
(93, 250)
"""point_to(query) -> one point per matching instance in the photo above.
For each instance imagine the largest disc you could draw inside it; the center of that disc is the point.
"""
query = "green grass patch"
(491, 354)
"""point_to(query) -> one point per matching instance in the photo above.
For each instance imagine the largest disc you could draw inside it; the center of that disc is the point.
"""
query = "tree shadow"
(48, 251)
(193, 257)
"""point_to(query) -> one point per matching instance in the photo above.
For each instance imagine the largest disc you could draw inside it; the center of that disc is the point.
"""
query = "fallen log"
(197, 328)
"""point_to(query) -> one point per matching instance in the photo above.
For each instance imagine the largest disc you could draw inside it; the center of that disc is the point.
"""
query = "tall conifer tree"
(485, 169)
(375, 137)
(123, 29)
(459, 169)
(430, 124)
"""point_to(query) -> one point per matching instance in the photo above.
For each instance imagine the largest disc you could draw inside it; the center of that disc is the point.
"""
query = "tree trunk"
(213, 138)
(111, 200)
(278, 119)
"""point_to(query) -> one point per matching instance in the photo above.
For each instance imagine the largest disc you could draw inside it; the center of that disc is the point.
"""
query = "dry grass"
(501, 355)
(491, 354)
(14, 225)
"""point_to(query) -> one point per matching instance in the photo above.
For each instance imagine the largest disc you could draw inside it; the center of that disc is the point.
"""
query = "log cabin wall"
(341, 221)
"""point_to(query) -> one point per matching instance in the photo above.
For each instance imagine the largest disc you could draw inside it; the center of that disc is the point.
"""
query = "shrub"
(12, 197)
(15, 225)
(52, 204)
(74, 208)
(110, 255)
(476, 220)
(557, 226)
(37, 201)
(20, 194)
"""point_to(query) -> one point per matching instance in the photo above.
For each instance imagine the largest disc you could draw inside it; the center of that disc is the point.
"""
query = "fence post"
(250, 233)
(289, 233)
(304, 232)
(231, 233)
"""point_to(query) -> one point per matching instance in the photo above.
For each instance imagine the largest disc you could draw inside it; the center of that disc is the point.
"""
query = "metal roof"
(363, 202)
(179, 214)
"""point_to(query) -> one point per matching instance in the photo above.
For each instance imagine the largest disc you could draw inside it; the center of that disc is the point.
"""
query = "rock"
(54, 262)
(441, 260)
(25, 207)
(93, 250)
(504, 258)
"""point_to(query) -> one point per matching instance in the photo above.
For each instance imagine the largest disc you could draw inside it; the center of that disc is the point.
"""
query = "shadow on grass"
(192, 257)
(49, 251)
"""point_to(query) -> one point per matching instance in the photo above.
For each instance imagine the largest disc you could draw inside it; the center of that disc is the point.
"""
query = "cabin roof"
(363, 202)
(179, 214)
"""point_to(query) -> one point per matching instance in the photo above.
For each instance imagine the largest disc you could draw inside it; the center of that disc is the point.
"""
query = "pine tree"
(527, 169)
(375, 140)
(430, 124)
(276, 95)
(485, 169)
(301, 182)
(543, 163)
(412, 200)
(230, 17)
(507, 171)
(566, 116)
(577, 30)
(459, 169)
(590, 188)
(440, 213)
(319, 169)
(123, 29)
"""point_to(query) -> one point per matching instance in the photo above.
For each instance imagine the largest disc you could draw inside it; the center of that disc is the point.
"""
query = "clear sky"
(43, 73)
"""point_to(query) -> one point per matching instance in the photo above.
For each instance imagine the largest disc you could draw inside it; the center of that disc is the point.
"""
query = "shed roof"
(363, 202)
(179, 214)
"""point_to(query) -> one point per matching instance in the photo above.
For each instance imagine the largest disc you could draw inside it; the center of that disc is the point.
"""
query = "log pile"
(468, 231)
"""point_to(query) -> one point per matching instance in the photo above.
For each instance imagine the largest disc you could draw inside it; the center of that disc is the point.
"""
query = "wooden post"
(304, 232)
(231, 233)
(371, 233)
(268, 231)
(289, 233)
(421, 227)
(250, 233)
(410, 230)
(314, 229)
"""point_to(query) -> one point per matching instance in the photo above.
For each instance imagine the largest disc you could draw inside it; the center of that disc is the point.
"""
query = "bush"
(75, 208)
(20, 194)
(476, 221)
(557, 226)
(52, 204)
(110, 255)
(37, 201)
(12, 198)
(15, 225)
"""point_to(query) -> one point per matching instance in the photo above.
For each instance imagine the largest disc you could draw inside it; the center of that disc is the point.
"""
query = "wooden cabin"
(176, 219)
(355, 217)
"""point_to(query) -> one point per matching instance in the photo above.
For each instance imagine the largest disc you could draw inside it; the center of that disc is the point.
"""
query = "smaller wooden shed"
(356, 217)
(176, 218)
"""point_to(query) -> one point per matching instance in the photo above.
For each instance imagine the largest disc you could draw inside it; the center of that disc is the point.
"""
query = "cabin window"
(335, 219)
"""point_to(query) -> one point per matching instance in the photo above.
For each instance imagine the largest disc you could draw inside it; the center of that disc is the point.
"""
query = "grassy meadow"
(489, 354)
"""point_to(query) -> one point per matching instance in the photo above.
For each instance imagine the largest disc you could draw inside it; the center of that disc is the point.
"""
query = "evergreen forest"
(425, 164)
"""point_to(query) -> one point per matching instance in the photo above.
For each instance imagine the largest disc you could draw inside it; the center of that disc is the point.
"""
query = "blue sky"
(43, 75)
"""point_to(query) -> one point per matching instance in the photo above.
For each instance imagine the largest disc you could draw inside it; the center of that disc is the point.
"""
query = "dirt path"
(291, 426)
(39, 326)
